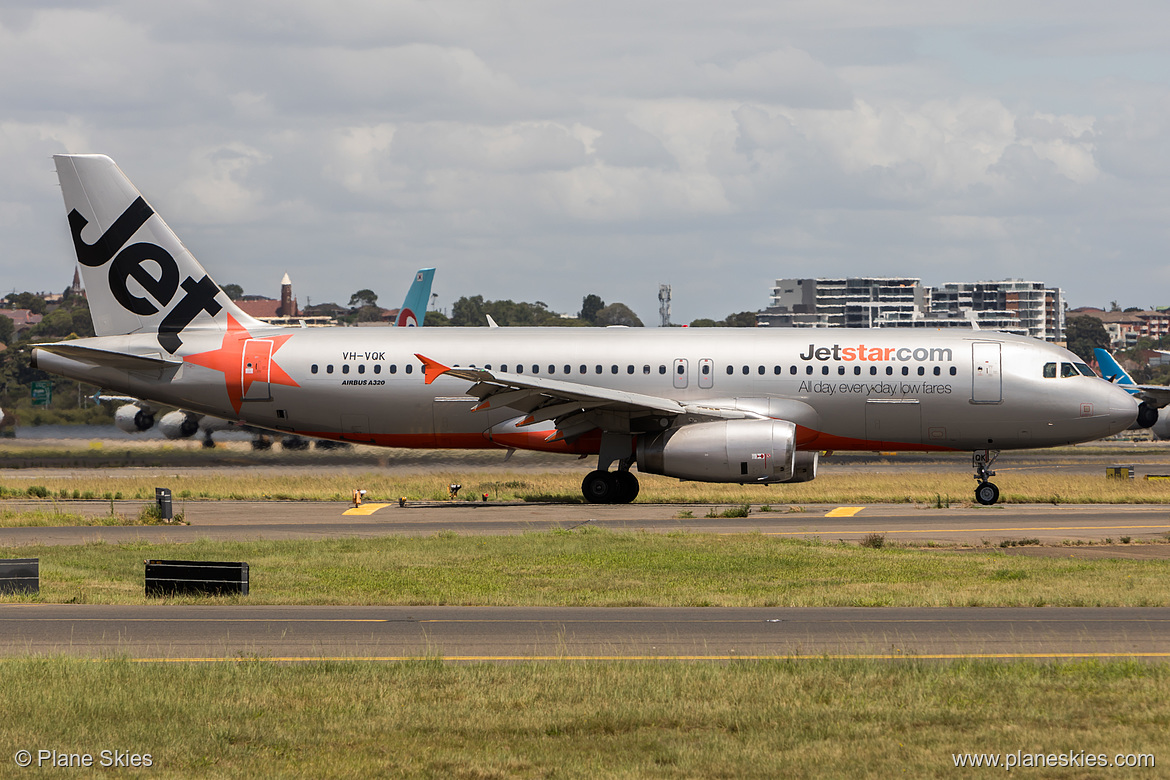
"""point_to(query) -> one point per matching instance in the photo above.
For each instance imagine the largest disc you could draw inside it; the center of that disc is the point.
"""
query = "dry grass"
(796, 719)
(899, 487)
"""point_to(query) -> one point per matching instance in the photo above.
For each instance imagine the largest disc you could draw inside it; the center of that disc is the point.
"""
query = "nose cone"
(1123, 409)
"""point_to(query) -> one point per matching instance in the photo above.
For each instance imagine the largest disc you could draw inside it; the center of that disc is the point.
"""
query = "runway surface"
(242, 520)
(203, 633)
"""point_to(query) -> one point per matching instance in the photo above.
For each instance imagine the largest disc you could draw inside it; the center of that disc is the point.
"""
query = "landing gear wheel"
(627, 487)
(599, 487)
(987, 493)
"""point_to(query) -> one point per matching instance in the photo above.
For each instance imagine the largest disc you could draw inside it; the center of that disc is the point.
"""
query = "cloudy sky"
(544, 150)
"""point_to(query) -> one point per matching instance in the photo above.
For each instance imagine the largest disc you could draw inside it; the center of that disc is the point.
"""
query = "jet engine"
(179, 425)
(744, 451)
(132, 418)
(804, 468)
(1147, 416)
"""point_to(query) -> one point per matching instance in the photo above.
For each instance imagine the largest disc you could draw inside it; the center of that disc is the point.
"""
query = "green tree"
(363, 298)
(26, 300)
(617, 314)
(7, 330)
(590, 305)
(468, 312)
(1084, 333)
(743, 319)
(233, 291)
(704, 322)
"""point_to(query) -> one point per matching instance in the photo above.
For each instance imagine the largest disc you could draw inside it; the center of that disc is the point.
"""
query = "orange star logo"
(244, 360)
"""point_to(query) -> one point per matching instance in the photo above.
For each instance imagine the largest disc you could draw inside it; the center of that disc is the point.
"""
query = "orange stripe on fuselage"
(807, 439)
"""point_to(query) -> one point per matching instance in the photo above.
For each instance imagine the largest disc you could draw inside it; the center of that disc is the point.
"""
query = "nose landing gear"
(986, 493)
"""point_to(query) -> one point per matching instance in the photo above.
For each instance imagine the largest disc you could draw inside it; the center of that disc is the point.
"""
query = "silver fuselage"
(845, 389)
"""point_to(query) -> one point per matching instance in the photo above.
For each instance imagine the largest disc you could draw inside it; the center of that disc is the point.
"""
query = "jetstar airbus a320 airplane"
(711, 405)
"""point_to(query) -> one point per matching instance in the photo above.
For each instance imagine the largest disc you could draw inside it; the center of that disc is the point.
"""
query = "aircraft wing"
(124, 361)
(573, 407)
(1156, 396)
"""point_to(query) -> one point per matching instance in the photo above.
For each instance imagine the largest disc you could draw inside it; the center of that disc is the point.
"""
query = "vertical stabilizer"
(414, 308)
(138, 276)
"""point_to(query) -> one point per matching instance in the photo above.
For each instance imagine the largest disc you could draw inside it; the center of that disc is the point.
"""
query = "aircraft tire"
(987, 493)
(627, 487)
(600, 487)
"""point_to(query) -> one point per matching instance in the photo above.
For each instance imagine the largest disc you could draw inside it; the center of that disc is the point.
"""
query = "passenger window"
(681, 369)
(568, 369)
(792, 369)
(662, 369)
(857, 371)
(393, 368)
(362, 368)
(954, 370)
(597, 369)
(937, 371)
(889, 370)
(584, 369)
(410, 368)
(345, 369)
(646, 369)
(535, 369)
(706, 369)
(1049, 370)
(730, 370)
(921, 370)
(630, 369)
(873, 370)
(613, 369)
(841, 370)
(825, 370)
(313, 368)
(776, 370)
(519, 368)
(329, 369)
(808, 369)
(488, 367)
(377, 368)
(1067, 370)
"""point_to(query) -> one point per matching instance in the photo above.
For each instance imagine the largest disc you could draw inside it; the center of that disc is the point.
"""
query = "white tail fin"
(138, 276)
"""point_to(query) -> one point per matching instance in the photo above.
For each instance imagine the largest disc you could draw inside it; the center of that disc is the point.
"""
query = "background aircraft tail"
(1110, 368)
(414, 308)
(138, 276)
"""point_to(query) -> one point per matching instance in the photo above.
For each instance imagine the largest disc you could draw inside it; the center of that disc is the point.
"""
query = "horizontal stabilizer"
(123, 361)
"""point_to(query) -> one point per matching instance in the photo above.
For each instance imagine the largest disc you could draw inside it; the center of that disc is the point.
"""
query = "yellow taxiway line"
(845, 511)
(365, 509)
(966, 530)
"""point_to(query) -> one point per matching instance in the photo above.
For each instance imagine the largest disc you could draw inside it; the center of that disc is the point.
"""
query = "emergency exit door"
(986, 377)
(255, 369)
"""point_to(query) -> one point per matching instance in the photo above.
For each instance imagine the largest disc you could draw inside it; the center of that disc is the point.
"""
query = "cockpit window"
(1067, 370)
(1049, 370)
(1085, 370)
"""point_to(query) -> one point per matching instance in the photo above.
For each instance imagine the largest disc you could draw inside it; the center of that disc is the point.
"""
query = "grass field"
(591, 567)
(898, 487)
(796, 719)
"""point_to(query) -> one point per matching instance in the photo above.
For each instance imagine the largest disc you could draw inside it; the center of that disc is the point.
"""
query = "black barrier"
(203, 578)
(20, 575)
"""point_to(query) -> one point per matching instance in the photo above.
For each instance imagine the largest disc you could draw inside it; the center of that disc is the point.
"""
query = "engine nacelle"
(178, 425)
(1147, 416)
(804, 467)
(132, 418)
(744, 451)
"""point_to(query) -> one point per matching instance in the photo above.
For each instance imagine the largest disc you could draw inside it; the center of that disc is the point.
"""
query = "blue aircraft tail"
(414, 308)
(1111, 369)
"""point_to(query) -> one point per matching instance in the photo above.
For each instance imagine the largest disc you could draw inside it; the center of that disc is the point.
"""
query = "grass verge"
(932, 489)
(595, 567)
(797, 719)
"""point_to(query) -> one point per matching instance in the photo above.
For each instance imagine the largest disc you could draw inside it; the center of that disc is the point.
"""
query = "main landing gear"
(609, 487)
(986, 493)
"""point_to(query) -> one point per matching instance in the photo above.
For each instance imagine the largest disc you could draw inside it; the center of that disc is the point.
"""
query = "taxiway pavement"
(299, 633)
(246, 520)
